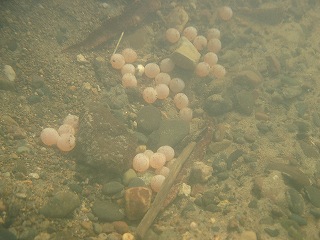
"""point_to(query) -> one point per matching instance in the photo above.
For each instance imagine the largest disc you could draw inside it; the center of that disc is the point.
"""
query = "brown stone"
(121, 227)
(138, 201)
(249, 77)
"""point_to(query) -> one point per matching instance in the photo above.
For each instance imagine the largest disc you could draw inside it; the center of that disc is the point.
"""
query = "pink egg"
(213, 33)
(66, 142)
(211, 58)
(225, 13)
(200, 42)
(157, 160)
(162, 91)
(66, 128)
(181, 100)
(148, 153)
(128, 68)
(140, 162)
(172, 35)
(49, 136)
(190, 33)
(129, 80)
(162, 78)
(218, 71)
(151, 70)
(164, 171)
(186, 114)
(129, 55)
(149, 94)
(202, 69)
(167, 151)
(176, 85)
(214, 45)
(72, 120)
(156, 182)
(117, 61)
(167, 65)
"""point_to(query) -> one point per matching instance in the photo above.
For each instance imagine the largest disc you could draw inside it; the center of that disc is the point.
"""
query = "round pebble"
(172, 35)
(117, 61)
(140, 162)
(190, 33)
(66, 142)
(151, 70)
(181, 100)
(202, 69)
(149, 94)
(129, 55)
(225, 13)
(176, 85)
(162, 78)
(129, 80)
(157, 160)
(167, 151)
(167, 65)
(200, 42)
(156, 182)
(49, 136)
(162, 91)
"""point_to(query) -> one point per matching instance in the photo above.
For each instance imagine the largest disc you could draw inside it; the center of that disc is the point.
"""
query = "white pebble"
(9, 72)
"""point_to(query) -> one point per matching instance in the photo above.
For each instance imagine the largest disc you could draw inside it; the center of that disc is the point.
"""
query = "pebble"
(200, 173)
(177, 18)
(248, 235)
(61, 205)
(295, 201)
(148, 119)
(9, 72)
(34, 175)
(216, 147)
(12, 128)
(249, 78)
(245, 101)
(136, 182)
(128, 176)
(121, 227)
(137, 202)
(216, 105)
(309, 150)
(107, 211)
(186, 55)
(111, 188)
(81, 59)
(313, 194)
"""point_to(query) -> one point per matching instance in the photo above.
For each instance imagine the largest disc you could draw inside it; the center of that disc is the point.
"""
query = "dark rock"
(217, 105)
(245, 102)
(272, 232)
(295, 201)
(107, 211)
(61, 205)
(111, 188)
(148, 119)
(104, 143)
(313, 194)
(136, 182)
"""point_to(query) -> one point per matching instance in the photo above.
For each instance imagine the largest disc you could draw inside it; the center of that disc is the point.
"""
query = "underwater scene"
(160, 120)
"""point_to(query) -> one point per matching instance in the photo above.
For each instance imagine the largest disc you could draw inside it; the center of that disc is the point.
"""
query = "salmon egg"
(162, 91)
(186, 114)
(140, 162)
(167, 151)
(149, 94)
(225, 13)
(167, 65)
(129, 80)
(128, 68)
(172, 35)
(117, 61)
(157, 160)
(181, 100)
(214, 45)
(176, 85)
(218, 71)
(162, 78)
(190, 33)
(164, 171)
(156, 182)
(66, 128)
(200, 42)
(129, 55)
(66, 142)
(202, 69)
(72, 120)
(49, 136)
(211, 58)
(151, 70)
(213, 33)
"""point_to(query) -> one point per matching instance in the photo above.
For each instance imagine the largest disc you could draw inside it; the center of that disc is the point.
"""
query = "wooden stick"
(156, 206)
(116, 48)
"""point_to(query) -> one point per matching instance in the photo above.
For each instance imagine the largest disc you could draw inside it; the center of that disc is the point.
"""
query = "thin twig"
(116, 48)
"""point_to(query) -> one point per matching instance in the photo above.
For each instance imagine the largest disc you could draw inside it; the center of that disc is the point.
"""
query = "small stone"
(216, 147)
(121, 227)
(34, 175)
(138, 200)
(61, 205)
(148, 119)
(200, 173)
(313, 194)
(249, 77)
(128, 176)
(9, 72)
(295, 201)
(177, 18)
(81, 59)
(111, 188)
(107, 211)
(248, 235)
(186, 55)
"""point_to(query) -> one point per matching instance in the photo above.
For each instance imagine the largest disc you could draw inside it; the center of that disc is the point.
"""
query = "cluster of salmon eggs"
(156, 161)
(64, 137)
(159, 74)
